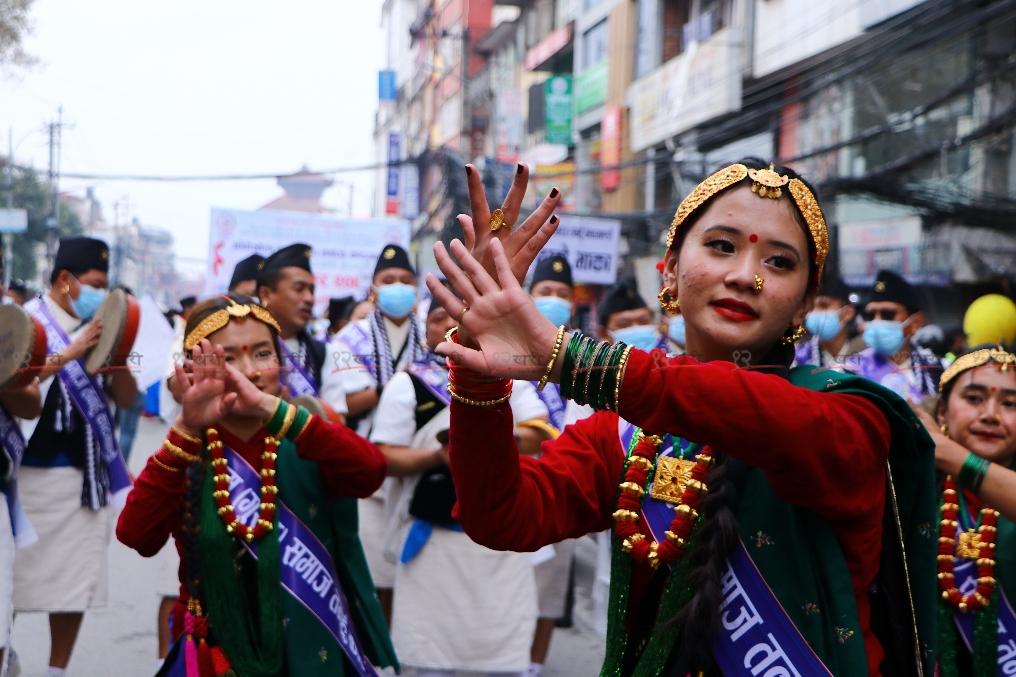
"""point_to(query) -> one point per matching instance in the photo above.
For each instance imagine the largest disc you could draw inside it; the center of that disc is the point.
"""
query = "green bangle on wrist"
(299, 424)
(277, 417)
(971, 475)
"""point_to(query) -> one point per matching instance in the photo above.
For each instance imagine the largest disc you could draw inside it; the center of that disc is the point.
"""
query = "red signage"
(610, 148)
(549, 46)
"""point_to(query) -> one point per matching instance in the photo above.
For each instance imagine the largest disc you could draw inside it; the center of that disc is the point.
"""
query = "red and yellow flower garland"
(220, 465)
(629, 505)
(947, 550)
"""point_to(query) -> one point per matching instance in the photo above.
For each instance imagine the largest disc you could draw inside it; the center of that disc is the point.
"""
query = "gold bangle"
(185, 435)
(288, 421)
(620, 376)
(450, 333)
(163, 465)
(539, 424)
(478, 403)
(553, 358)
(169, 446)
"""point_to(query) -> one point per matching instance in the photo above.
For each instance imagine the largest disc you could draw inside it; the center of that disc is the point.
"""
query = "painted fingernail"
(553, 219)
(553, 193)
(518, 168)
(469, 170)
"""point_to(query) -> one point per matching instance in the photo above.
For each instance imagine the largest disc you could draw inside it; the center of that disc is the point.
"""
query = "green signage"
(591, 87)
(557, 107)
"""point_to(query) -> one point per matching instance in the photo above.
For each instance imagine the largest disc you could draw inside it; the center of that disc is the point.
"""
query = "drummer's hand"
(204, 395)
(515, 338)
(80, 346)
(250, 400)
(520, 246)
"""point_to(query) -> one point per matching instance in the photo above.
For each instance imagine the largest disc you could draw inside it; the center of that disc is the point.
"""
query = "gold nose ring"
(758, 283)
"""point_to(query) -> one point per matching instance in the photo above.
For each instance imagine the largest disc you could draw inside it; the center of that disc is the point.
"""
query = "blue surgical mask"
(885, 336)
(642, 336)
(396, 300)
(88, 302)
(675, 330)
(825, 324)
(554, 308)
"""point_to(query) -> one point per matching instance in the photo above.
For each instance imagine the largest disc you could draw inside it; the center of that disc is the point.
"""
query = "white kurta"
(67, 569)
(457, 604)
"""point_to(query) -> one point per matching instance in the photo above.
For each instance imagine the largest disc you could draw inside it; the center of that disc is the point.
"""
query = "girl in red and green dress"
(974, 429)
(260, 497)
(767, 521)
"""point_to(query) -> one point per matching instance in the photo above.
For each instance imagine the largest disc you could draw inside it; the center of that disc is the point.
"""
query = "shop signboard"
(591, 87)
(557, 106)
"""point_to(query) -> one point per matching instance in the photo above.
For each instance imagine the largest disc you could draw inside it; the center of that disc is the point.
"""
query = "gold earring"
(758, 283)
(945, 430)
(66, 289)
(673, 305)
(798, 333)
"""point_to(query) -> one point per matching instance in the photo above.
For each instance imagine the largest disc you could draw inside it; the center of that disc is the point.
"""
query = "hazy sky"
(187, 87)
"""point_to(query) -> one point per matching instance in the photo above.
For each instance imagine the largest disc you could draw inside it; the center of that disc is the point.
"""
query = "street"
(120, 640)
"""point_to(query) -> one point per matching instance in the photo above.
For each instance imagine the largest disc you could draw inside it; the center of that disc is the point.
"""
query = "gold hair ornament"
(768, 182)
(220, 318)
(976, 359)
(728, 176)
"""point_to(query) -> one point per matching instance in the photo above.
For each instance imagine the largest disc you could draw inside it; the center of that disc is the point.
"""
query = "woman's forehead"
(990, 376)
(766, 217)
(241, 332)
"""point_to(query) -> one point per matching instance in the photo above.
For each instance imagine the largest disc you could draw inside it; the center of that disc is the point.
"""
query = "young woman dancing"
(767, 521)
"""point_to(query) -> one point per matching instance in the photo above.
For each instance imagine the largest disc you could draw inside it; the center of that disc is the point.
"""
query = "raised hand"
(250, 400)
(204, 395)
(515, 338)
(522, 243)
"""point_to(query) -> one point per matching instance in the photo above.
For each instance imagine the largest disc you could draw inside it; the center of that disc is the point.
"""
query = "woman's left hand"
(250, 400)
(949, 454)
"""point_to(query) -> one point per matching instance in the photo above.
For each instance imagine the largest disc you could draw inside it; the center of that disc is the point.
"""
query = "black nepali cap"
(555, 268)
(245, 270)
(393, 256)
(338, 309)
(82, 254)
(891, 287)
(295, 256)
(833, 287)
(188, 301)
(621, 297)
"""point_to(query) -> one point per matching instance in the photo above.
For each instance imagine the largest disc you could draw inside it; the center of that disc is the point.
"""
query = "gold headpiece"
(220, 318)
(770, 182)
(976, 359)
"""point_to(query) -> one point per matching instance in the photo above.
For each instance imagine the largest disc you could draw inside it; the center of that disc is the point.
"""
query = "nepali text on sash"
(965, 571)
(299, 381)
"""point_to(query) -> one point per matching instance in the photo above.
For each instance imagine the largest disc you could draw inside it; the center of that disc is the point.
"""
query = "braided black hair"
(191, 527)
(719, 533)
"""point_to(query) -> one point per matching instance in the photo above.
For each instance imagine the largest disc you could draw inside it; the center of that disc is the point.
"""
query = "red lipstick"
(732, 309)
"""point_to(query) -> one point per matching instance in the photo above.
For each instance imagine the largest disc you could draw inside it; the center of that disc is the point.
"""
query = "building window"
(594, 45)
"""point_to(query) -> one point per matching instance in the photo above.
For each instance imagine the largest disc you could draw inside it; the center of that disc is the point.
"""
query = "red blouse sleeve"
(822, 450)
(155, 504)
(508, 502)
(349, 464)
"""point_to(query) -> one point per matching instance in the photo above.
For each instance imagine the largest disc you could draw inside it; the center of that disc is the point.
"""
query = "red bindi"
(753, 237)
(244, 347)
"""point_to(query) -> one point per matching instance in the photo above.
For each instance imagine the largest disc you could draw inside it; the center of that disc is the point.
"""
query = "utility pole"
(53, 220)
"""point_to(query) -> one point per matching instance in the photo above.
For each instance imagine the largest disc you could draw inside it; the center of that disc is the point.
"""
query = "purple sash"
(551, 396)
(361, 349)
(308, 573)
(966, 582)
(757, 636)
(13, 444)
(90, 400)
(435, 377)
(299, 381)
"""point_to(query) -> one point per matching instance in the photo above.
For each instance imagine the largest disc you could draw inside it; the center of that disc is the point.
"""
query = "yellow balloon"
(990, 319)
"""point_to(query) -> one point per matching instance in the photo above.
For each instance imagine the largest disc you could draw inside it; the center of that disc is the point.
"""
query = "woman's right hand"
(204, 395)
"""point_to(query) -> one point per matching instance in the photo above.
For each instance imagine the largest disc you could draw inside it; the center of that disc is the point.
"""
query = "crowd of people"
(784, 475)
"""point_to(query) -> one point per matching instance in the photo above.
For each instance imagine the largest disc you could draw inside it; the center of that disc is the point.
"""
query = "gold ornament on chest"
(968, 546)
(672, 475)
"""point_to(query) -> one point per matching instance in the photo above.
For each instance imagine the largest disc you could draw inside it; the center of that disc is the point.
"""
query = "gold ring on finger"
(496, 219)
(461, 313)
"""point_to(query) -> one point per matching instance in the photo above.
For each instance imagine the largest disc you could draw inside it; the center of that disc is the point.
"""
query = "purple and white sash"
(308, 573)
(13, 444)
(965, 571)
(89, 399)
(757, 636)
(299, 381)
(360, 350)
(556, 405)
(435, 377)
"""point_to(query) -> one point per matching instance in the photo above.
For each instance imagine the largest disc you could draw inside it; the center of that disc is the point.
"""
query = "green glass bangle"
(602, 367)
(300, 422)
(602, 348)
(578, 370)
(275, 422)
(585, 361)
(609, 380)
(972, 472)
(568, 364)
